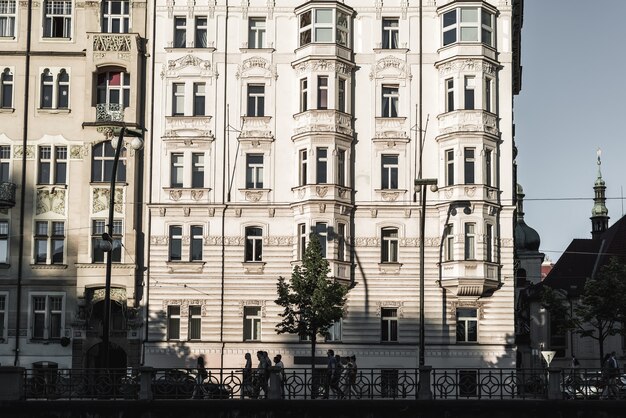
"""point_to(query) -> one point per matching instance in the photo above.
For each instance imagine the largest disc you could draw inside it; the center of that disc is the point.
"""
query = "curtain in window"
(7, 26)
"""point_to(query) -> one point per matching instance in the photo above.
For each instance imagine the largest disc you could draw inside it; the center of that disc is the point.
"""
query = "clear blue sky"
(573, 101)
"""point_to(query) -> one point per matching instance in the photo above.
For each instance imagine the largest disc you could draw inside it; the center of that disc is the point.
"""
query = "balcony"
(469, 278)
(391, 129)
(315, 121)
(7, 194)
(469, 191)
(188, 127)
(115, 49)
(463, 121)
(109, 112)
(322, 191)
(256, 128)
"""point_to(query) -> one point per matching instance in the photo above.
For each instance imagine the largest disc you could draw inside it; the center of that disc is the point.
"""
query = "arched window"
(103, 155)
(63, 90)
(47, 88)
(6, 89)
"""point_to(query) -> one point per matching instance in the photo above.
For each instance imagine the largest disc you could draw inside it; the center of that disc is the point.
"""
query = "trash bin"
(44, 378)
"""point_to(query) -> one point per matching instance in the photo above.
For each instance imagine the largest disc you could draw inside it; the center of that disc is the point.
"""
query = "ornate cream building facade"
(272, 120)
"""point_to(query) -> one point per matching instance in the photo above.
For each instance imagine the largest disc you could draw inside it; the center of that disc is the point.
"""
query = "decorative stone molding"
(271, 212)
(468, 121)
(253, 267)
(159, 240)
(469, 191)
(389, 268)
(279, 240)
(185, 266)
(323, 66)
(185, 304)
(391, 66)
(367, 242)
(100, 200)
(390, 304)
(186, 211)
(50, 200)
(452, 306)
(111, 42)
(18, 152)
(162, 211)
(270, 9)
(432, 242)
(322, 121)
(78, 152)
(201, 67)
(188, 127)
(244, 303)
(256, 66)
(468, 65)
(256, 127)
(390, 196)
(391, 128)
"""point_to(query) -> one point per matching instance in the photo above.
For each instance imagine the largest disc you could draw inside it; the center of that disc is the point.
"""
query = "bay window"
(324, 25)
(468, 24)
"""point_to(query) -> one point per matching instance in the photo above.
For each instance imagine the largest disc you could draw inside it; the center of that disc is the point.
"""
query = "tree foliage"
(312, 302)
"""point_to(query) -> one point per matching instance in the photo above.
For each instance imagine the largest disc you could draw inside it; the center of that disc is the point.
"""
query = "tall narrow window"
(7, 18)
(488, 167)
(389, 171)
(302, 176)
(5, 162)
(63, 90)
(449, 167)
(449, 95)
(173, 322)
(6, 85)
(115, 16)
(304, 95)
(47, 88)
(199, 99)
(341, 95)
(176, 170)
(323, 25)
(321, 231)
(103, 155)
(389, 325)
(470, 84)
(98, 228)
(197, 170)
(489, 98)
(322, 92)
(196, 243)
(448, 250)
(470, 241)
(390, 97)
(47, 316)
(468, 24)
(256, 100)
(256, 32)
(389, 247)
(3, 316)
(391, 33)
(201, 33)
(489, 242)
(254, 244)
(195, 322)
(45, 164)
(252, 323)
(341, 241)
(176, 243)
(341, 167)
(49, 242)
(469, 166)
(178, 99)
(4, 246)
(334, 332)
(254, 171)
(57, 19)
(305, 28)
(322, 166)
(180, 32)
(466, 325)
(113, 89)
(486, 28)
(302, 236)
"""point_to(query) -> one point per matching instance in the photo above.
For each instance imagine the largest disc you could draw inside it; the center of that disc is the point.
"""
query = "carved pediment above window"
(323, 66)
(467, 65)
(188, 127)
(188, 65)
(256, 67)
(391, 67)
(256, 127)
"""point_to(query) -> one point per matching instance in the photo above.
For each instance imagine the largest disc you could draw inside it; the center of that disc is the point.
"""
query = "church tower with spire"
(599, 213)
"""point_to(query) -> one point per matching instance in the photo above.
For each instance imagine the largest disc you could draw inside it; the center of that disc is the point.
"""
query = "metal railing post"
(554, 383)
(145, 383)
(425, 391)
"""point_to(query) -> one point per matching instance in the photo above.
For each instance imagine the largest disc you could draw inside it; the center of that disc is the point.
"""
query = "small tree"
(311, 300)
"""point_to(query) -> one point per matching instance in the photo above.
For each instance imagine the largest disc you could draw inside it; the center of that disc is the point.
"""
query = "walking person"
(277, 379)
(330, 371)
(201, 374)
(609, 370)
(260, 381)
(247, 390)
(336, 378)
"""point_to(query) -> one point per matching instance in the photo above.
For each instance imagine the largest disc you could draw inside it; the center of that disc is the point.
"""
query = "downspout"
(20, 263)
(421, 135)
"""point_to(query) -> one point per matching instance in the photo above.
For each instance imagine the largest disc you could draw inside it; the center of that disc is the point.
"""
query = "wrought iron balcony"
(7, 194)
(109, 112)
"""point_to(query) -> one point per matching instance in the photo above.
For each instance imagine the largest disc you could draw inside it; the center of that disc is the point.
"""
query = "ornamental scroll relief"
(391, 64)
(256, 63)
(51, 201)
(100, 200)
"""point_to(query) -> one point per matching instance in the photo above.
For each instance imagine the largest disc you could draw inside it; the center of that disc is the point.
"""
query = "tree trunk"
(313, 342)
(601, 344)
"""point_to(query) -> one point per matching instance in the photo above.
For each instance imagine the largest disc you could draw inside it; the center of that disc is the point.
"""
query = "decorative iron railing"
(7, 194)
(109, 112)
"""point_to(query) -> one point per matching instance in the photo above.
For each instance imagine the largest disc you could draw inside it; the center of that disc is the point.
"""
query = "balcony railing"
(109, 112)
(322, 121)
(7, 194)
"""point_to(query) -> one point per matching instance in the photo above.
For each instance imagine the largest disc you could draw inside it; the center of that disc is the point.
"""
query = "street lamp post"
(107, 237)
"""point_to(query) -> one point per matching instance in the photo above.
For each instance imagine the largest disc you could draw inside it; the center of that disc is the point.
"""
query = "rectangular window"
(341, 242)
(47, 317)
(389, 171)
(341, 167)
(256, 100)
(390, 97)
(488, 167)
(199, 99)
(322, 166)
(470, 84)
(113, 93)
(304, 95)
(47, 89)
(389, 325)
(201, 33)
(49, 242)
(468, 165)
(322, 92)
(252, 323)
(3, 316)
(176, 243)
(4, 245)
(448, 243)
(115, 16)
(449, 167)
(176, 170)
(254, 244)
(195, 322)
(173, 322)
(197, 170)
(302, 176)
(5, 162)
(7, 18)
(323, 30)
(466, 325)
(334, 332)
(341, 95)
(389, 247)
(98, 228)
(489, 95)
(256, 32)
(449, 94)
(180, 32)
(6, 85)
(321, 231)
(52, 165)
(391, 33)
(302, 236)
(254, 171)
(470, 241)
(57, 19)
(486, 28)
(489, 243)
(196, 242)
(178, 99)
(464, 25)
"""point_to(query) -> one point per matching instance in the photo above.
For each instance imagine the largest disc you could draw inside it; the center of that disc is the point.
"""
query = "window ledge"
(45, 341)
(185, 266)
(7, 109)
(55, 39)
(101, 265)
(53, 186)
(257, 50)
(7, 38)
(107, 183)
(48, 266)
(190, 49)
(389, 268)
(255, 195)
(5, 266)
(253, 267)
(53, 111)
(391, 50)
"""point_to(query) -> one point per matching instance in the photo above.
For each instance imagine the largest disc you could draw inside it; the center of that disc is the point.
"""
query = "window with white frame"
(449, 154)
(254, 171)
(115, 16)
(175, 243)
(256, 32)
(55, 92)
(469, 96)
(102, 155)
(388, 325)
(322, 92)
(489, 94)
(4, 308)
(254, 244)
(196, 242)
(341, 241)
(468, 24)
(52, 165)
(178, 99)
(113, 89)
(47, 87)
(99, 227)
(304, 95)
(341, 95)
(6, 89)
(199, 99)
(302, 237)
(5, 163)
(469, 168)
(334, 332)
(195, 322)
(173, 322)
(389, 171)
(57, 20)
(4, 242)
(448, 243)
(341, 167)
(391, 33)
(303, 167)
(449, 94)
(180, 32)
(389, 245)
(466, 325)
(321, 166)
(488, 242)
(49, 242)
(256, 100)
(7, 18)
(47, 316)
(321, 231)
(324, 26)
(197, 169)
(470, 241)
(252, 323)
(390, 99)
(176, 169)
(201, 40)
(488, 167)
